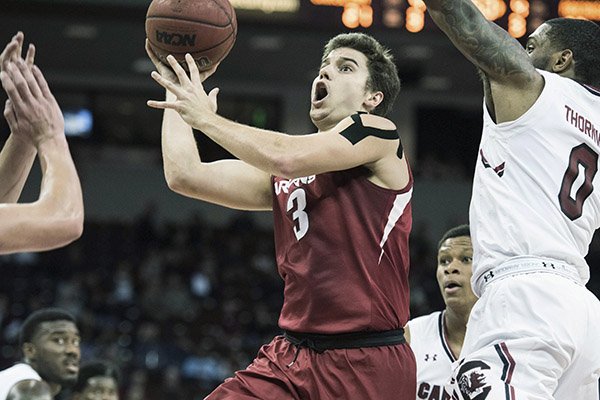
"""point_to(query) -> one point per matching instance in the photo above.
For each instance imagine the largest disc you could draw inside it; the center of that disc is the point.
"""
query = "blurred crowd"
(178, 307)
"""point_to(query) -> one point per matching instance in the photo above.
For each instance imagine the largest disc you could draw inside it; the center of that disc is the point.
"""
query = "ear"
(564, 62)
(29, 351)
(373, 100)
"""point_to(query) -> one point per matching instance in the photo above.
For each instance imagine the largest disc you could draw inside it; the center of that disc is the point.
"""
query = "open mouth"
(320, 92)
(451, 285)
(72, 366)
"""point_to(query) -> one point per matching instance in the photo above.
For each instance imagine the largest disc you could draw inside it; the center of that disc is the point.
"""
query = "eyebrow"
(348, 59)
(59, 332)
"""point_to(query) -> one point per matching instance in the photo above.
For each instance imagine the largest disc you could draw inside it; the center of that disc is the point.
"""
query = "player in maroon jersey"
(341, 200)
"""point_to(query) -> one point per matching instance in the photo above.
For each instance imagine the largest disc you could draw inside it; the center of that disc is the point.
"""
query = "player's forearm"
(61, 200)
(16, 160)
(179, 151)
(56, 218)
(484, 43)
(268, 151)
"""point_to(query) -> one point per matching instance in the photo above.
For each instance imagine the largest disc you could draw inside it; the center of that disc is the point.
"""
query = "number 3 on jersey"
(587, 158)
(297, 203)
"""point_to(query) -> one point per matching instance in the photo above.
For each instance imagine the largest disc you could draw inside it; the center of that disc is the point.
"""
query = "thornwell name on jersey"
(582, 123)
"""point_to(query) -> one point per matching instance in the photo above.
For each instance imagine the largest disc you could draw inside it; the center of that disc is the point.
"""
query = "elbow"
(76, 228)
(176, 182)
(288, 167)
(70, 229)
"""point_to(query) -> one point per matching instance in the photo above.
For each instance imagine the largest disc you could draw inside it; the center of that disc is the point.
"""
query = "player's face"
(100, 388)
(340, 88)
(455, 268)
(539, 48)
(56, 352)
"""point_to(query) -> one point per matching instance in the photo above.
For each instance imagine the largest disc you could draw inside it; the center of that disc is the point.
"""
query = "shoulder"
(18, 372)
(361, 125)
(29, 389)
(420, 323)
(14, 375)
(377, 122)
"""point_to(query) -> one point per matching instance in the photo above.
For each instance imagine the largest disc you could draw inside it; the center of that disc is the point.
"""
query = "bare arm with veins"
(512, 83)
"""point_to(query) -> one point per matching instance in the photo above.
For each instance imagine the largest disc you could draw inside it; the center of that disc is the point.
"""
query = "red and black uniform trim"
(507, 371)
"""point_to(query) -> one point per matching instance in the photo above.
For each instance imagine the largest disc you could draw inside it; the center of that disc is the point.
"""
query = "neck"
(456, 326)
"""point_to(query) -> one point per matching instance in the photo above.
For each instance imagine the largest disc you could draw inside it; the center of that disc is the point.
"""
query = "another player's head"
(357, 74)
(569, 47)
(454, 271)
(30, 390)
(50, 343)
(98, 380)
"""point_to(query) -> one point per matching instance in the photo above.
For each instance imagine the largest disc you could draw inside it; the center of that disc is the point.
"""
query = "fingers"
(8, 53)
(167, 84)
(193, 68)
(213, 99)
(30, 57)
(9, 85)
(41, 81)
(31, 82)
(160, 104)
(20, 83)
(178, 69)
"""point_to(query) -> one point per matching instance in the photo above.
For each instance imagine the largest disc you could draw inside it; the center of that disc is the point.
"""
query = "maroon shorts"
(370, 373)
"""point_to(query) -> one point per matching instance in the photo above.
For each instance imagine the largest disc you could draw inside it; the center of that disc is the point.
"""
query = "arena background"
(180, 293)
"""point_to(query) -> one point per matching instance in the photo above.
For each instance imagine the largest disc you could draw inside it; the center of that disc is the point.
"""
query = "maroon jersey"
(342, 250)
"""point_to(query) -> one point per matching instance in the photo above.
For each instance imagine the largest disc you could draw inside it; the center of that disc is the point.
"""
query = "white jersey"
(15, 374)
(433, 355)
(536, 190)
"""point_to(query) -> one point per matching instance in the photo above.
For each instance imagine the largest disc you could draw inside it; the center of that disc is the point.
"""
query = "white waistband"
(527, 265)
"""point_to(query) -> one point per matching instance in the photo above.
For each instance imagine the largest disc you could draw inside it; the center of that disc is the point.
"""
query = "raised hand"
(31, 109)
(191, 101)
(164, 70)
(13, 51)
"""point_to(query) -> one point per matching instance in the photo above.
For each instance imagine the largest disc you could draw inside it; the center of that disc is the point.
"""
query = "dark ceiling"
(103, 46)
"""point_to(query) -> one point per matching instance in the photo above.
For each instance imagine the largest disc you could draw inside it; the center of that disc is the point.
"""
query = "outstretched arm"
(56, 218)
(274, 152)
(505, 64)
(18, 153)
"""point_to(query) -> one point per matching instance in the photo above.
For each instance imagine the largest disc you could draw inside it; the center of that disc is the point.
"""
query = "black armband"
(357, 132)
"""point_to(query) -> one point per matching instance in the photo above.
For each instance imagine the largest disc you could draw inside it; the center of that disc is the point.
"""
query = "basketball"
(204, 28)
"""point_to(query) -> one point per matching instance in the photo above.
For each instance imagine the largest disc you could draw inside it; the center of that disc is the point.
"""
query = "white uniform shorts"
(533, 336)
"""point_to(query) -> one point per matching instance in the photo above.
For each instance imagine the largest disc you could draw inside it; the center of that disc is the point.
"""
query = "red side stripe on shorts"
(507, 371)
(511, 362)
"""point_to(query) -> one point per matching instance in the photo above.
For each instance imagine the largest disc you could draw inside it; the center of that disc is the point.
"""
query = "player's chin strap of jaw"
(354, 340)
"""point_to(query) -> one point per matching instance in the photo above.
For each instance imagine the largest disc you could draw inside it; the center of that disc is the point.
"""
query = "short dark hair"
(457, 231)
(582, 37)
(383, 73)
(92, 369)
(33, 321)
